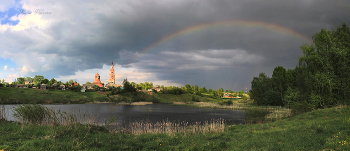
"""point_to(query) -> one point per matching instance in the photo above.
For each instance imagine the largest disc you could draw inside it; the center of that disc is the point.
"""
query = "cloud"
(5, 67)
(79, 37)
(6, 4)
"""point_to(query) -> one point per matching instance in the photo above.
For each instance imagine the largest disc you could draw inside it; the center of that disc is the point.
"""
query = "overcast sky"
(209, 43)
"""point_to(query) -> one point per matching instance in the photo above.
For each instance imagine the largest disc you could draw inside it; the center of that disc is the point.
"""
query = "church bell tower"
(111, 75)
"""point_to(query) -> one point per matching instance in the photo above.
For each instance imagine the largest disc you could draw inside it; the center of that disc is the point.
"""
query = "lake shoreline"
(316, 130)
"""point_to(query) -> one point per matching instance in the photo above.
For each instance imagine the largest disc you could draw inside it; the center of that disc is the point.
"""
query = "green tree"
(290, 78)
(46, 81)
(20, 80)
(29, 79)
(189, 89)
(279, 83)
(88, 82)
(260, 85)
(38, 79)
(128, 87)
(71, 81)
(205, 90)
(327, 64)
(52, 81)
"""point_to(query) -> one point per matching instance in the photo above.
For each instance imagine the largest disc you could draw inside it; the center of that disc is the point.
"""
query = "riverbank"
(25, 95)
(322, 129)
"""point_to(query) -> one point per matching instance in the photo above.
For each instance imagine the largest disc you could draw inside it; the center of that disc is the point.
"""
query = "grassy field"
(185, 98)
(26, 95)
(322, 129)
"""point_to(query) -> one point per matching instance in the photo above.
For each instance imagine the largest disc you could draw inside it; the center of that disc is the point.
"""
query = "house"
(156, 88)
(227, 95)
(20, 85)
(62, 87)
(73, 84)
(43, 86)
(28, 82)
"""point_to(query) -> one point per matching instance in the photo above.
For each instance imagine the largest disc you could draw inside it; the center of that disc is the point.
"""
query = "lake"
(144, 113)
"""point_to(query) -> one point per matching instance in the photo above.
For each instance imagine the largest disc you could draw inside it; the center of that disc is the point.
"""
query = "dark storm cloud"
(92, 34)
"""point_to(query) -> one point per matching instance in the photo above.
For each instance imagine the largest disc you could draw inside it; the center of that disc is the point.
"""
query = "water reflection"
(151, 113)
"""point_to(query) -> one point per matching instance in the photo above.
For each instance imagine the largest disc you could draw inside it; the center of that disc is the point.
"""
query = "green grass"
(185, 98)
(323, 129)
(28, 95)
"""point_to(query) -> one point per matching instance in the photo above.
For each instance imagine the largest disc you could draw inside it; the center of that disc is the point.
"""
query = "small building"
(75, 83)
(62, 87)
(157, 88)
(28, 82)
(43, 86)
(227, 95)
(20, 85)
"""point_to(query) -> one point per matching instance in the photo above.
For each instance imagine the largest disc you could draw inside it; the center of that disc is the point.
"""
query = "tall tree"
(128, 87)
(20, 80)
(189, 89)
(279, 83)
(30, 79)
(38, 79)
(205, 90)
(52, 81)
(260, 85)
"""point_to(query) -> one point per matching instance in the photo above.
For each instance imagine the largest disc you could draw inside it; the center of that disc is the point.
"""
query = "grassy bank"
(323, 129)
(26, 95)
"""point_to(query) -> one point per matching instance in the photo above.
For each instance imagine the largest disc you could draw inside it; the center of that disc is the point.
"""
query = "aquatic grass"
(256, 116)
(167, 127)
(62, 124)
(31, 113)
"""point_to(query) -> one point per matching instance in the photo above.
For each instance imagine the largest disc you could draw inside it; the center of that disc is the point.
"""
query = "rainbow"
(229, 23)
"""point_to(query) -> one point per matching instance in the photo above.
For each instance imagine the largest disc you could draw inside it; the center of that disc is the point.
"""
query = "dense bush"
(195, 99)
(75, 88)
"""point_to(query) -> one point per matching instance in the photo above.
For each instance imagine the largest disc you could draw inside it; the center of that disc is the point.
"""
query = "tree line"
(320, 80)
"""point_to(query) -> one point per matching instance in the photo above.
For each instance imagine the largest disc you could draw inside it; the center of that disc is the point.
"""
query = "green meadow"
(321, 129)
(27, 95)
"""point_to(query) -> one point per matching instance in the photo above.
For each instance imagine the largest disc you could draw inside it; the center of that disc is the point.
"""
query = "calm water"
(149, 113)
